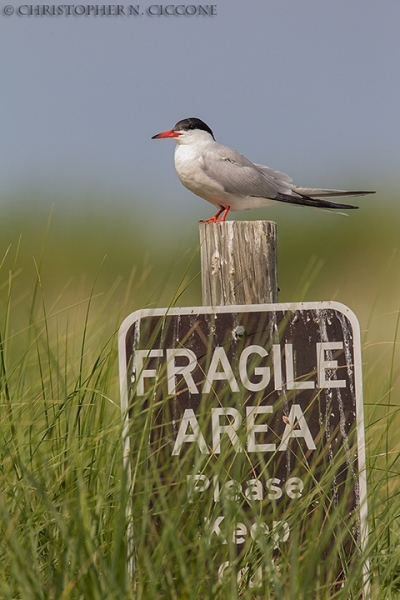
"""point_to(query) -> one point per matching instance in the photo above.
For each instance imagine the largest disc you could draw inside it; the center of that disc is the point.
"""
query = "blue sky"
(308, 87)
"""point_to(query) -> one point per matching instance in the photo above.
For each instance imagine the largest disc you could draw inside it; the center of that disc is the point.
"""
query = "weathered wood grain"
(239, 262)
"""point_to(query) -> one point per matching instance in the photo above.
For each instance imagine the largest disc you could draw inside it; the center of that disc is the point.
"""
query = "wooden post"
(239, 262)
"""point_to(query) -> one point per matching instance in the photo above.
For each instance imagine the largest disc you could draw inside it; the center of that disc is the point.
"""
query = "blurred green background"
(136, 258)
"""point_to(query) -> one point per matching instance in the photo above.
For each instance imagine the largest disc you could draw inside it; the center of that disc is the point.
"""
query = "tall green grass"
(62, 501)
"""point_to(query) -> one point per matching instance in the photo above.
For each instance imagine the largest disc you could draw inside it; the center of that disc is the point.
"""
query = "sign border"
(251, 308)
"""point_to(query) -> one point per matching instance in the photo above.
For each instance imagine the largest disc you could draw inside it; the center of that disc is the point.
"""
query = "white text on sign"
(220, 369)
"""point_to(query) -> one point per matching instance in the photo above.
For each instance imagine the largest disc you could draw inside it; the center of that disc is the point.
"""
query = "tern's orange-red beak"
(167, 134)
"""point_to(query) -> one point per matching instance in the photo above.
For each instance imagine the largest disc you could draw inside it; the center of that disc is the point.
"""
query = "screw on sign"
(255, 435)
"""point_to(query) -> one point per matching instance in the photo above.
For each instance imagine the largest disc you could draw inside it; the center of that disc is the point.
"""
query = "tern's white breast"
(189, 165)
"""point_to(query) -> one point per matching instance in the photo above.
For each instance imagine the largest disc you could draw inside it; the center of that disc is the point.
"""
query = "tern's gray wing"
(274, 174)
(240, 177)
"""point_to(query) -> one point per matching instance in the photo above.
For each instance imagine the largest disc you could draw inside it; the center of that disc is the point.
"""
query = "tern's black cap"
(193, 123)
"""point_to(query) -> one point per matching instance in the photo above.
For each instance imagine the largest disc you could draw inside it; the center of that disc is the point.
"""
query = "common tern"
(230, 181)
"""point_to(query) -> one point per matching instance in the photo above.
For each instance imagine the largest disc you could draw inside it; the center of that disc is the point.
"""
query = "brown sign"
(256, 424)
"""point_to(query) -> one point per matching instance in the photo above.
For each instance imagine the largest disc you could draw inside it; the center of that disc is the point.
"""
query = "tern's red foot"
(215, 219)
(212, 220)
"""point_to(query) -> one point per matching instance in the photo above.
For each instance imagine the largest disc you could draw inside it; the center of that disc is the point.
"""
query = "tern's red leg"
(215, 219)
(223, 218)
